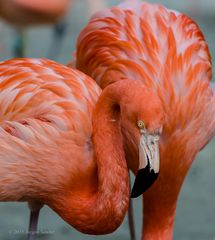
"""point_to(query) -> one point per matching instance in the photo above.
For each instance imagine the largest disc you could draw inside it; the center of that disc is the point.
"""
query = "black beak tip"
(144, 179)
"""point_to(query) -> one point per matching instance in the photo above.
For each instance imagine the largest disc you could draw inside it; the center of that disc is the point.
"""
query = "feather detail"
(43, 106)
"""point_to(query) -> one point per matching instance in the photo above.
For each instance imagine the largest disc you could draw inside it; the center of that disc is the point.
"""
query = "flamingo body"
(166, 51)
(38, 100)
(62, 142)
(46, 149)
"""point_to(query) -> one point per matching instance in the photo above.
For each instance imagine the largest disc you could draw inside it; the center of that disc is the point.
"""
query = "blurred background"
(196, 209)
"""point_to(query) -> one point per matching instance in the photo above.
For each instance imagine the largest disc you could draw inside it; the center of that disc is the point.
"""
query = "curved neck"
(103, 210)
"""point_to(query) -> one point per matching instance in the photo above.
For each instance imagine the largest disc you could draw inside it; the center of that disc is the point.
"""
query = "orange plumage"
(63, 144)
(166, 52)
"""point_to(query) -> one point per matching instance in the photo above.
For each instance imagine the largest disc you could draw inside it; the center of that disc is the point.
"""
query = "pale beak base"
(148, 164)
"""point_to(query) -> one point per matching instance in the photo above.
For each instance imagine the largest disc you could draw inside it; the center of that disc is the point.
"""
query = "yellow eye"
(140, 124)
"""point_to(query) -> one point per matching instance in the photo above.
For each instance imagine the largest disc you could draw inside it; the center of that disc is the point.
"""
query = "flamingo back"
(45, 126)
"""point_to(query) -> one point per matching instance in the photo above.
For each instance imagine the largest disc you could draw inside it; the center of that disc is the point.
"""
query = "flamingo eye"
(140, 124)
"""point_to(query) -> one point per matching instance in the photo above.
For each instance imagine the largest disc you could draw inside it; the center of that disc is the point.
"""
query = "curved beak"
(149, 164)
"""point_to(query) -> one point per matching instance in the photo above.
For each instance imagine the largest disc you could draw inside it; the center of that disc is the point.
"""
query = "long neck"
(158, 223)
(103, 210)
(159, 207)
(160, 200)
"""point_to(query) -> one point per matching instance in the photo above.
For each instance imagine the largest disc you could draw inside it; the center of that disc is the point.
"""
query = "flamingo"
(166, 52)
(25, 13)
(62, 142)
(22, 14)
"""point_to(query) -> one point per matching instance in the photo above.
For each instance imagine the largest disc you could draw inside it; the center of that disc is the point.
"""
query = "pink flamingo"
(166, 52)
(65, 146)
(24, 13)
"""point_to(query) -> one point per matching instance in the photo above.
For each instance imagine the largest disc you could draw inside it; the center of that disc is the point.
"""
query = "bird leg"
(59, 32)
(34, 216)
(19, 44)
(131, 218)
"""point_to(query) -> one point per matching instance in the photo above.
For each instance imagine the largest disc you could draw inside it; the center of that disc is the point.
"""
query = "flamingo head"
(142, 120)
